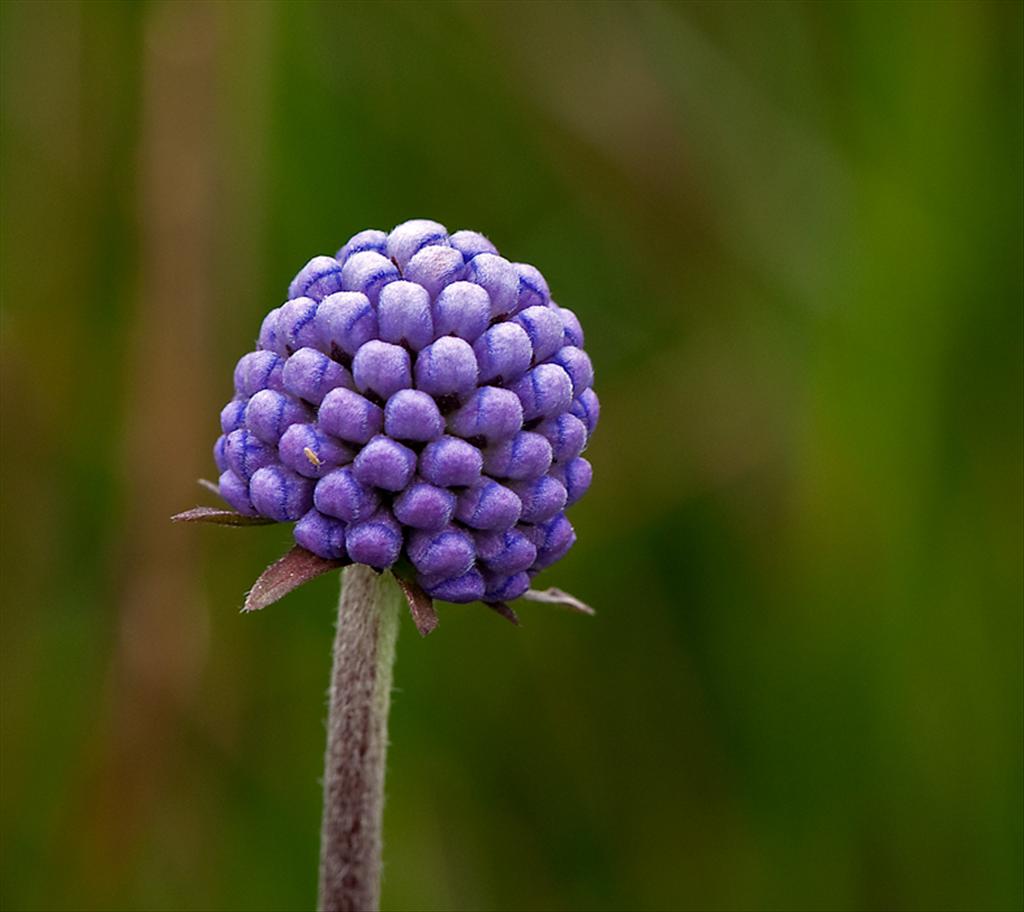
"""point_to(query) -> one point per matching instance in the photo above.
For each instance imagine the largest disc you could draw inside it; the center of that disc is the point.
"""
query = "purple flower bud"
(502, 588)
(441, 554)
(587, 409)
(435, 267)
(322, 535)
(462, 309)
(342, 495)
(345, 322)
(412, 415)
(542, 498)
(573, 330)
(451, 463)
(232, 416)
(367, 272)
(576, 363)
(376, 541)
(258, 370)
(382, 368)
(558, 536)
(505, 552)
(296, 324)
(500, 279)
(269, 340)
(533, 534)
(309, 374)
(566, 434)
(411, 343)
(523, 457)
(407, 239)
(446, 367)
(488, 505)
(491, 413)
(424, 506)
(236, 492)
(371, 239)
(349, 416)
(385, 463)
(503, 353)
(246, 453)
(462, 589)
(544, 328)
(320, 277)
(306, 449)
(471, 244)
(278, 493)
(544, 391)
(403, 315)
(533, 288)
(269, 413)
(219, 456)
(575, 476)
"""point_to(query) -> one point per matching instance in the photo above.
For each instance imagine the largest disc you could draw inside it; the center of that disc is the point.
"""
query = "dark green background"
(793, 233)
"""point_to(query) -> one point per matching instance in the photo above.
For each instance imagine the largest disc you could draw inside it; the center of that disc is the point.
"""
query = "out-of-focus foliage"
(793, 233)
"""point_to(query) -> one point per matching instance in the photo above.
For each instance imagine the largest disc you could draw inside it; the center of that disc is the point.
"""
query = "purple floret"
(350, 416)
(499, 278)
(417, 397)
(491, 413)
(385, 464)
(344, 322)
(441, 554)
(451, 463)
(447, 367)
(545, 391)
(296, 324)
(232, 416)
(368, 272)
(545, 330)
(412, 415)
(403, 315)
(469, 587)
(258, 370)
(280, 493)
(320, 277)
(270, 413)
(502, 588)
(407, 239)
(310, 375)
(323, 535)
(503, 353)
(341, 495)
(382, 369)
(533, 287)
(424, 506)
(488, 505)
(370, 239)
(471, 244)
(462, 309)
(308, 450)
(525, 456)
(376, 541)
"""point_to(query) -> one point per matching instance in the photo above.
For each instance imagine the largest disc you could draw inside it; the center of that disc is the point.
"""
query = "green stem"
(364, 654)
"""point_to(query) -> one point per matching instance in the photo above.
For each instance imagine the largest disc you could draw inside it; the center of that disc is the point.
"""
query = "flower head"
(417, 396)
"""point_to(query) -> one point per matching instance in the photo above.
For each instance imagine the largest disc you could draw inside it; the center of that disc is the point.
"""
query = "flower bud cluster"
(417, 396)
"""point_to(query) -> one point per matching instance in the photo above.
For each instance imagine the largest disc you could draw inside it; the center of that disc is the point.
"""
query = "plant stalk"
(360, 693)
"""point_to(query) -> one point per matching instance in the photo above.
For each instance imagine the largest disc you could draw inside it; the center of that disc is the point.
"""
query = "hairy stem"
(364, 653)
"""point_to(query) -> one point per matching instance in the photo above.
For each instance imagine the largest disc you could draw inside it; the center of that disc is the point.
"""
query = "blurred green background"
(794, 235)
